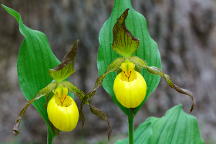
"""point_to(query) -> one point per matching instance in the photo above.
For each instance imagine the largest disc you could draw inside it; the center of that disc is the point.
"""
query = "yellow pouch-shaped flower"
(62, 110)
(129, 86)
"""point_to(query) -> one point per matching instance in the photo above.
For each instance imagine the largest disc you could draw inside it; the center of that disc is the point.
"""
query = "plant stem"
(131, 127)
(51, 133)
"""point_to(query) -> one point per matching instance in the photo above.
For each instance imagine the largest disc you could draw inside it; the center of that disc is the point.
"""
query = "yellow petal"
(130, 94)
(64, 118)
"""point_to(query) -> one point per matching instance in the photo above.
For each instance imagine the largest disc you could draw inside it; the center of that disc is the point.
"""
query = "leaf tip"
(3, 6)
(179, 106)
(6, 8)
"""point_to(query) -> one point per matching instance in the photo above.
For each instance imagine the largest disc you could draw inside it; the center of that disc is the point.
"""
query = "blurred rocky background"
(186, 34)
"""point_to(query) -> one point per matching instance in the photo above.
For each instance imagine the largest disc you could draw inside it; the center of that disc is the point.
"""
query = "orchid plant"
(129, 68)
(43, 80)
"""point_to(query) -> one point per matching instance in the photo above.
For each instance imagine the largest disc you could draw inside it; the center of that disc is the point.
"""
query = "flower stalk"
(131, 127)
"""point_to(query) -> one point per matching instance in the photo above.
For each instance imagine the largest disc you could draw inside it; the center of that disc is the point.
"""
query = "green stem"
(131, 127)
(50, 135)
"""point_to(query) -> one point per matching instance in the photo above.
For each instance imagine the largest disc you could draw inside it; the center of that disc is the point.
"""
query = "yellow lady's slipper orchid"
(62, 110)
(129, 86)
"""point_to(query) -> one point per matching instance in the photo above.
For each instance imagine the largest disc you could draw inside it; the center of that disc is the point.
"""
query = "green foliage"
(124, 34)
(176, 127)
(34, 60)
(147, 49)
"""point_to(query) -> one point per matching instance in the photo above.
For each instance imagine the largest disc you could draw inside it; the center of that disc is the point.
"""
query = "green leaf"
(147, 50)
(123, 41)
(35, 58)
(66, 68)
(176, 127)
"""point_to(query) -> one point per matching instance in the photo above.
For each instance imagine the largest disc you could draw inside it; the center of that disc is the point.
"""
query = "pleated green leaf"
(35, 58)
(147, 50)
(176, 127)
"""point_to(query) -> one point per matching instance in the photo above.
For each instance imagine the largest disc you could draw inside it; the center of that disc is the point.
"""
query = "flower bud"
(129, 86)
(62, 110)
